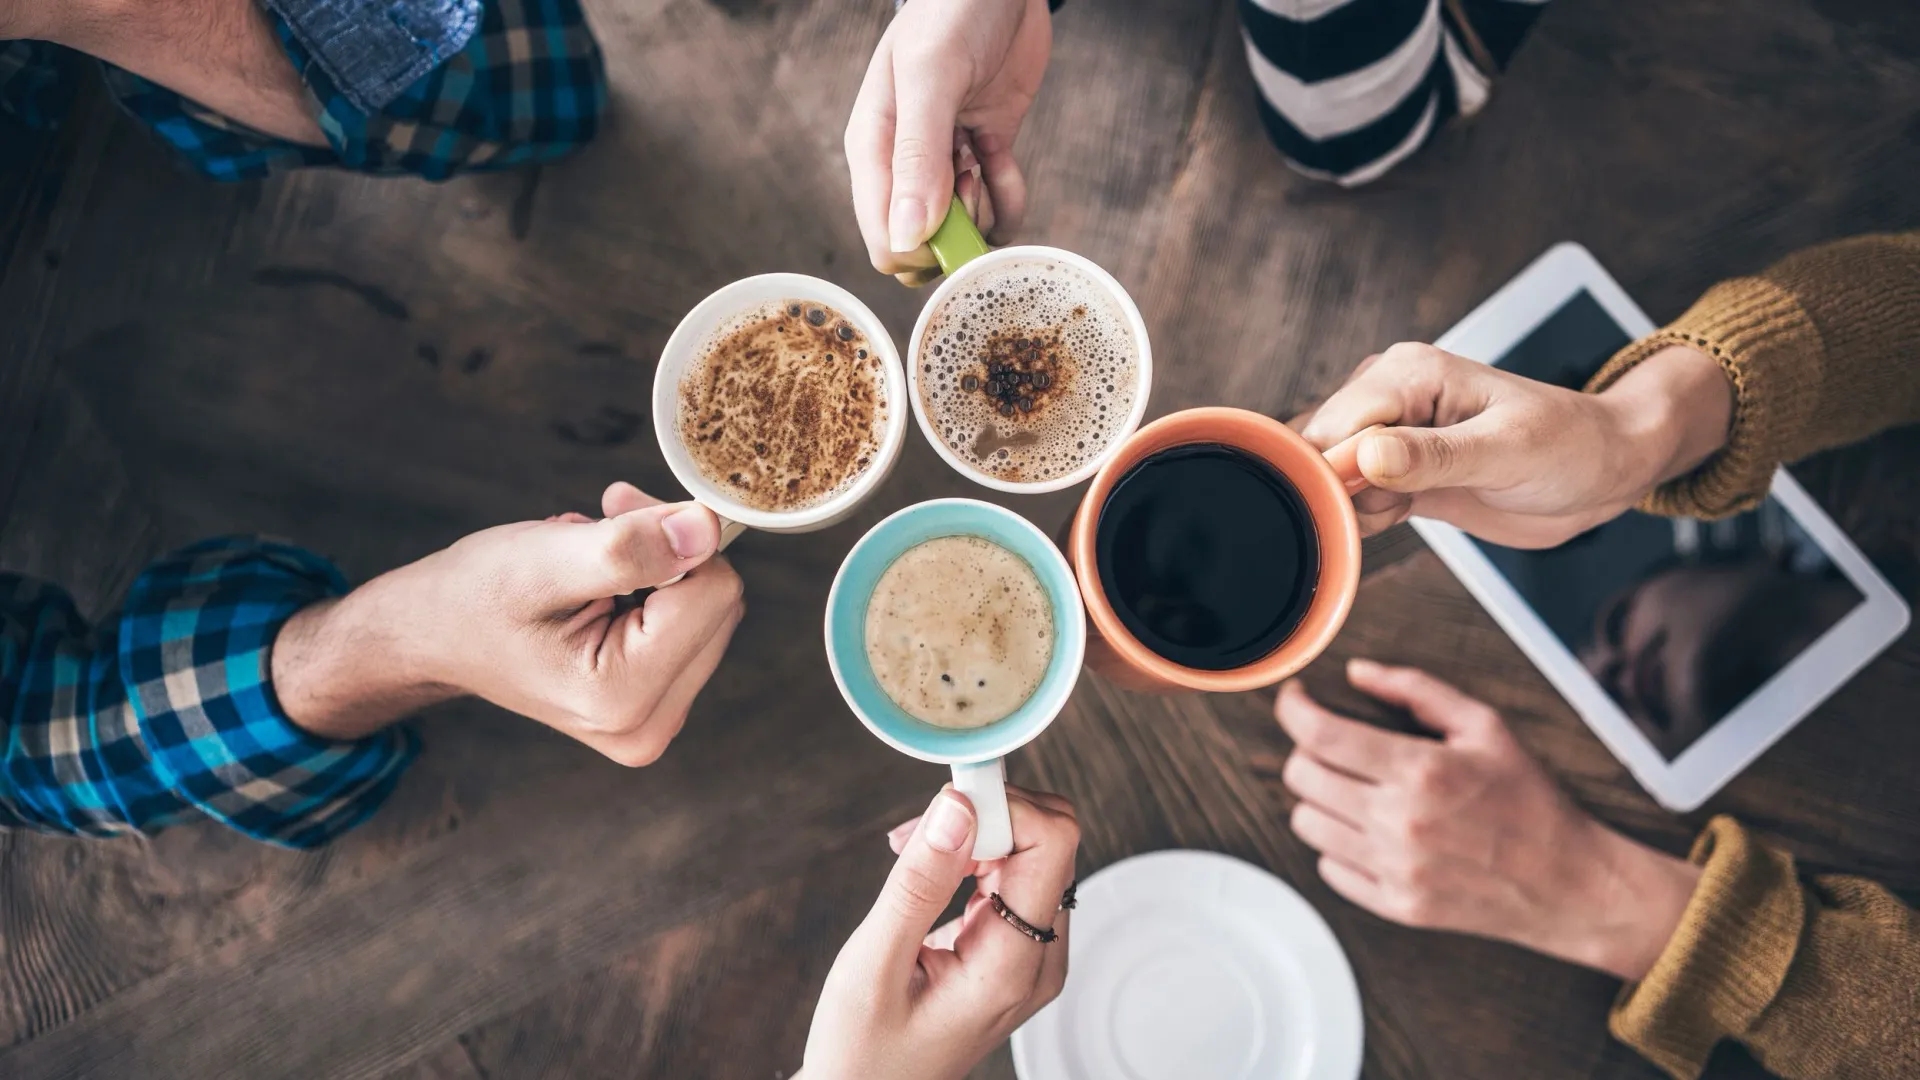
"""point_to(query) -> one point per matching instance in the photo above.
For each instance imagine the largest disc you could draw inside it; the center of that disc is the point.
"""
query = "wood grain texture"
(375, 367)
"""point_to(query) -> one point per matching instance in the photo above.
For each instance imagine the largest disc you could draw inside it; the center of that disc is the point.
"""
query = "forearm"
(346, 668)
(222, 54)
(1819, 980)
(1817, 348)
(170, 709)
(1850, 1005)
(1861, 297)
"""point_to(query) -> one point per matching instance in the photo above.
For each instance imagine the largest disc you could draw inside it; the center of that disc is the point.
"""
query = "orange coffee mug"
(1326, 483)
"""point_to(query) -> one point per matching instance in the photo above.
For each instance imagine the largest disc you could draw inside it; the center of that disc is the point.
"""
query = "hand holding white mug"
(905, 1001)
(950, 79)
(533, 617)
(1468, 833)
(1512, 460)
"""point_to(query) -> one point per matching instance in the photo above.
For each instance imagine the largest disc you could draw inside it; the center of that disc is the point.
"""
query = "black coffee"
(1208, 555)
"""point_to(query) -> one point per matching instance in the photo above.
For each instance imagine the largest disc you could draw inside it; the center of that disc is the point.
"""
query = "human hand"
(1467, 832)
(950, 82)
(1512, 460)
(534, 617)
(905, 1001)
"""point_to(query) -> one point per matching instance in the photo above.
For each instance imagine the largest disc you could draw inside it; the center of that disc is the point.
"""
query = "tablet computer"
(1688, 646)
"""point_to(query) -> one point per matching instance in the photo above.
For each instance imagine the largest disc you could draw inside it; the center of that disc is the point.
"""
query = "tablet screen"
(1678, 620)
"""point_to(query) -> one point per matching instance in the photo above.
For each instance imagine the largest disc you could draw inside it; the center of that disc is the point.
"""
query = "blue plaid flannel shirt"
(166, 712)
(427, 87)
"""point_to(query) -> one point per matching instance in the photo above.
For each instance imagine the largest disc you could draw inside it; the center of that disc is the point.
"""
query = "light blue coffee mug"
(976, 754)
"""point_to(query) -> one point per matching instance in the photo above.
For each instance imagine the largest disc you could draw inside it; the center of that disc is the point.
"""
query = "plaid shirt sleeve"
(526, 86)
(166, 713)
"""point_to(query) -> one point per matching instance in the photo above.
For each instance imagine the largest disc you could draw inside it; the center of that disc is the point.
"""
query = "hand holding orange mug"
(1512, 460)
(1217, 550)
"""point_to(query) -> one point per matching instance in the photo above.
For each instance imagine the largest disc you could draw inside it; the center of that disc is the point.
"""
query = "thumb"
(925, 110)
(937, 858)
(635, 550)
(1410, 459)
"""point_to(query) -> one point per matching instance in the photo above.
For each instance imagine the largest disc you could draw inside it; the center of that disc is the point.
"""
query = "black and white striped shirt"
(1350, 88)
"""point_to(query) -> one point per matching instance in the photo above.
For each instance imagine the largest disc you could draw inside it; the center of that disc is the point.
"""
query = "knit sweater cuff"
(1726, 961)
(1757, 331)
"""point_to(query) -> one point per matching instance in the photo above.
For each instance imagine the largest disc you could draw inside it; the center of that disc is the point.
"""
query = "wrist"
(1632, 904)
(1670, 413)
(345, 668)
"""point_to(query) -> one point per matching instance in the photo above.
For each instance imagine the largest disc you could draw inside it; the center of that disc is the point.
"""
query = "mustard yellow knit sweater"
(1818, 976)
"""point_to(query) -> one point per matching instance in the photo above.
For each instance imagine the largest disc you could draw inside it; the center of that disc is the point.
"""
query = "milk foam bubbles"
(959, 632)
(1030, 371)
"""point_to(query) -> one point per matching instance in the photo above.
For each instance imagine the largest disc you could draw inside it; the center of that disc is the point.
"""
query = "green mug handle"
(957, 241)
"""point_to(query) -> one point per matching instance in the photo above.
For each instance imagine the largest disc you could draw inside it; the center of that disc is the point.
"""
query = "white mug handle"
(729, 532)
(984, 783)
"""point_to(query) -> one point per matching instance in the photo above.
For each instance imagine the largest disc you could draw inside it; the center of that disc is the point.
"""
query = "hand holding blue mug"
(908, 1001)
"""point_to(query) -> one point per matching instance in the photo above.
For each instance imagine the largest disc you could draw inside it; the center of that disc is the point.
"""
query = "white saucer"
(1191, 965)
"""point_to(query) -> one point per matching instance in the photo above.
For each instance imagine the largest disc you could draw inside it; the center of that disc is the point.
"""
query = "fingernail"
(1385, 457)
(688, 533)
(906, 225)
(1362, 665)
(947, 823)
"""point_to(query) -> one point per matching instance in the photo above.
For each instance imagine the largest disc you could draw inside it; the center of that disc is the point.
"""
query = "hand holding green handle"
(957, 241)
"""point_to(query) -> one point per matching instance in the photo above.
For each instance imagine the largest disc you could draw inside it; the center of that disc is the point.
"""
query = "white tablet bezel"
(1490, 331)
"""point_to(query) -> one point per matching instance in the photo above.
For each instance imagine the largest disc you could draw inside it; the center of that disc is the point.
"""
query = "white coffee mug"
(964, 257)
(684, 350)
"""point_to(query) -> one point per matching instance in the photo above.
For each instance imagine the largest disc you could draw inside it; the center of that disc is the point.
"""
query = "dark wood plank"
(713, 997)
(42, 195)
(376, 367)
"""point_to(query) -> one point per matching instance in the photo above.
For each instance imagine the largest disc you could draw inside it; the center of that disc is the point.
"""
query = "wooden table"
(377, 367)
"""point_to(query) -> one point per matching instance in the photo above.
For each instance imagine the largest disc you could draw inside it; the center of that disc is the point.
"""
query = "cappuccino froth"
(1029, 372)
(785, 407)
(959, 632)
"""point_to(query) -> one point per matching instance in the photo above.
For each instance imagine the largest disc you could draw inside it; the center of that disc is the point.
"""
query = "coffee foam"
(785, 406)
(959, 632)
(1083, 344)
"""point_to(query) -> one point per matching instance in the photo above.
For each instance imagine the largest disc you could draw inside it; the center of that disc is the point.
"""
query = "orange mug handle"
(1344, 456)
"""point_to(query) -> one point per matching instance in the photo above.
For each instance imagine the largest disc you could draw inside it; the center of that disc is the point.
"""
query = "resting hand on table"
(905, 1001)
(1468, 833)
(532, 617)
(943, 67)
(1512, 460)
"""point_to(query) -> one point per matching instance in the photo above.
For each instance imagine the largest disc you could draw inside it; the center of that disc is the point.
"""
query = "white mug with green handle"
(965, 256)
